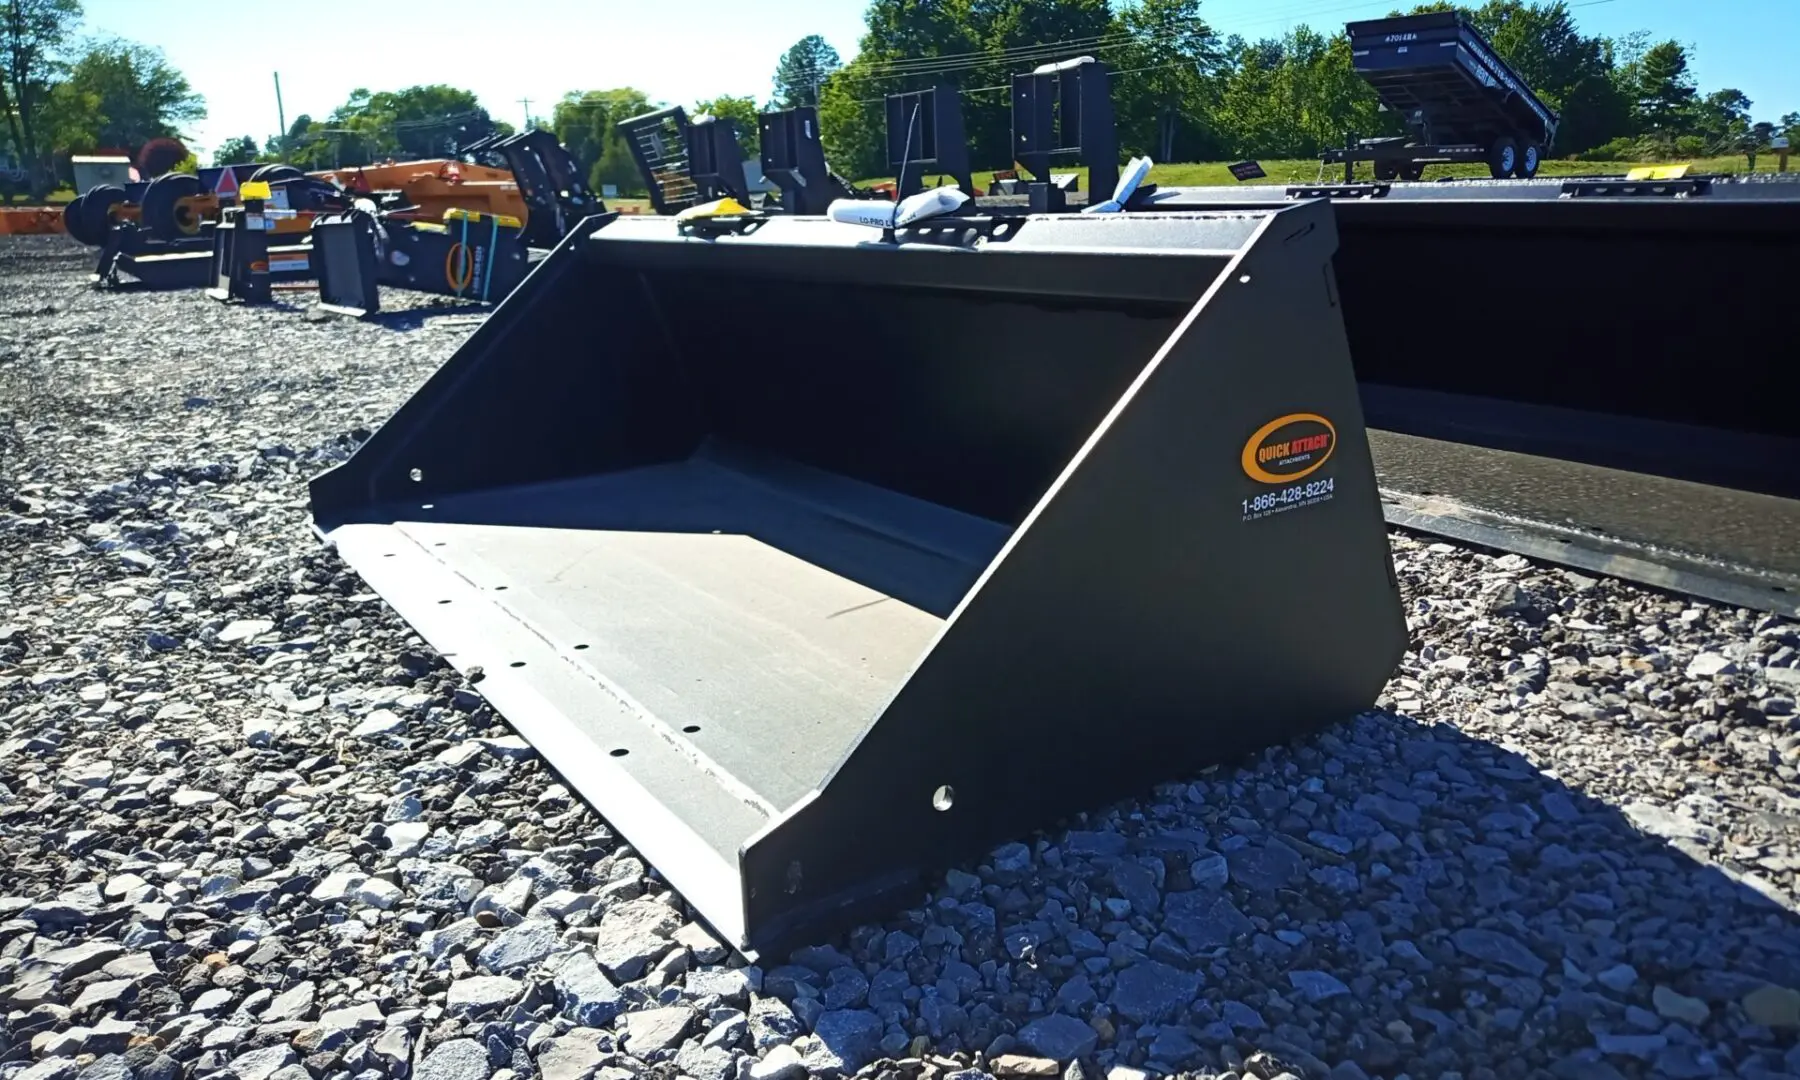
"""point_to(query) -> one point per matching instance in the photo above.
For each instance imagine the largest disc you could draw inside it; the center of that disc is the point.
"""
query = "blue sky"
(710, 47)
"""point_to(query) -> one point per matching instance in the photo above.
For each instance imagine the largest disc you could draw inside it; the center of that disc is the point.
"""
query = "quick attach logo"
(1288, 448)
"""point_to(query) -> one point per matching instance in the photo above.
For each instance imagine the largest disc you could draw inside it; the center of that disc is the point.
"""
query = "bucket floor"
(760, 611)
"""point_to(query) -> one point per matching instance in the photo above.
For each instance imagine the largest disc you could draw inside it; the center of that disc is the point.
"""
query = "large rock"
(52, 1068)
(458, 1059)
(262, 1064)
(654, 1030)
(1151, 990)
(294, 1003)
(571, 1057)
(482, 995)
(706, 1063)
(584, 994)
(1773, 1007)
(634, 934)
(1494, 947)
(848, 1039)
(1205, 919)
(1059, 1036)
(772, 1023)
(520, 947)
(77, 960)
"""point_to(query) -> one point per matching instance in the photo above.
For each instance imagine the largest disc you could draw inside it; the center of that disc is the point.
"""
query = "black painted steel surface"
(1599, 372)
(810, 559)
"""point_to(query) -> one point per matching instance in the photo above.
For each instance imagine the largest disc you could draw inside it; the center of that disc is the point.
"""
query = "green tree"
(122, 94)
(802, 71)
(1664, 95)
(34, 36)
(587, 123)
(1570, 71)
(419, 121)
(907, 45)
(741, 111)
(851, 123)
(233, 151)
(1723, 117)
(1295, 96)
(1174, 63)
(1016, 36)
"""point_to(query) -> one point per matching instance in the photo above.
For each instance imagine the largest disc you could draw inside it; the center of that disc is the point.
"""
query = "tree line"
(62, 92)
(1181, 91)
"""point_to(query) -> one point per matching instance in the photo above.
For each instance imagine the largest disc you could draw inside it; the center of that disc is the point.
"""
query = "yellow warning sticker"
(1657, 172)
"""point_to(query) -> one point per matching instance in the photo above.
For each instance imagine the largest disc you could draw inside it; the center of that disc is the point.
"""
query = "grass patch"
(1310, 170)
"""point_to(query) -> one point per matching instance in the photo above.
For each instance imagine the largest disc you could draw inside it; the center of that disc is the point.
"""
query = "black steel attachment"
(925, 136)
(470, 255)
(685, 163)
(549, 179)
(1095, 490)
(793, 159)
(246, 265)
(129, 251)
(349, 264)
(1636, 419)
(1063, 114)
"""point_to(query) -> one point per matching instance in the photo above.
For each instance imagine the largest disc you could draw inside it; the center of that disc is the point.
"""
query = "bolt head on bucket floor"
(818, 559)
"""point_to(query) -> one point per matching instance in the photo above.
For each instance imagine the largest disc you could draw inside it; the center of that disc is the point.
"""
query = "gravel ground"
(250, 826)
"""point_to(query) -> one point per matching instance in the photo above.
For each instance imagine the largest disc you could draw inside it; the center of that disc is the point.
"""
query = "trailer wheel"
(75, 225)
(1528, 161)
(96, 211)
(1503, 158)
(1412, 170)
(275, 173)
(1386, 170)
(166, 212)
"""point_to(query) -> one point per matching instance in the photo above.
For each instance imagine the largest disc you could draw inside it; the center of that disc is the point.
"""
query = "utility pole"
(280, 113)
(525, 101)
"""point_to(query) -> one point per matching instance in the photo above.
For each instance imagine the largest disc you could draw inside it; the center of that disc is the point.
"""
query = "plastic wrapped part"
(803, 630)
(1135, 172)
(908, 211)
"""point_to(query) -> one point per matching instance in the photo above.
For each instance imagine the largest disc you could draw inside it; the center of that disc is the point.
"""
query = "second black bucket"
(818, 559)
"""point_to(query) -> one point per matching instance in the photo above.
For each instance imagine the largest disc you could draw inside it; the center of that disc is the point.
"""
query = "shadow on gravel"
(418, 318)
(1390, 897)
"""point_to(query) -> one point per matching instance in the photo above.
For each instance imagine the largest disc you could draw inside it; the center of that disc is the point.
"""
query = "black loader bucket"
(817, 560)
(1579, 369)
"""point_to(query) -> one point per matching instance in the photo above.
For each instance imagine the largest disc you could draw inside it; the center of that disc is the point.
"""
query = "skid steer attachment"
(993, 521)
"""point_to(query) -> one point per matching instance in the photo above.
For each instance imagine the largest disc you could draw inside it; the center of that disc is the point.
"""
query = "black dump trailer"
(1460, 101)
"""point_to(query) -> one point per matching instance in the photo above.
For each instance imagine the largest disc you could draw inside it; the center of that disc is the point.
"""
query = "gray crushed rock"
(252, 826)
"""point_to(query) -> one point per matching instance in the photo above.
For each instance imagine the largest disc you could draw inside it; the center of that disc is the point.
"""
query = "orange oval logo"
(1289, 447)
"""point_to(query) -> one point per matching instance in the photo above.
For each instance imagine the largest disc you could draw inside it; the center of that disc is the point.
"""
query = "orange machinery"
(437, 185)
(30, 220)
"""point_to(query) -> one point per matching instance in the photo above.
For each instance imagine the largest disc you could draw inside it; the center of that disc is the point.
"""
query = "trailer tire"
(74, 224)
(1412, 170)
(1503, 158)
(1386, 170)
(276, 172)
(96, 211)
(165, 213)
(1529, 161)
